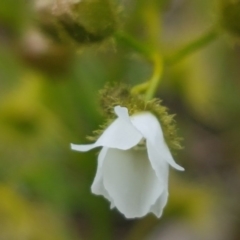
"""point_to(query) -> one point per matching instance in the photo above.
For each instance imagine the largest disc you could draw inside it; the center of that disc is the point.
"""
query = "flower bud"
(230, 16)
(77, 21)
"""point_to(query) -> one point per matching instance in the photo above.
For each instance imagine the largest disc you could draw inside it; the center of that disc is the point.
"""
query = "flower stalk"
(193, 46)
(129, 41)
(153, 56)
(154, 81)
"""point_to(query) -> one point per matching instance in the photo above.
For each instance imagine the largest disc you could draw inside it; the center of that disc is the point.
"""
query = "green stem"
(156, 77)
(150, 54)
(140, 88)
(129, 41)
(193, 46)
(150, 87)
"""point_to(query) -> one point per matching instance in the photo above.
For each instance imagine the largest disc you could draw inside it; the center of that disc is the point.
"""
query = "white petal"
(130, 181)
(161, 168)
(158, 163)
(149, 126)
(158, 207)
(84, 147)
(122, 113)
(120, 134)
(97, 186)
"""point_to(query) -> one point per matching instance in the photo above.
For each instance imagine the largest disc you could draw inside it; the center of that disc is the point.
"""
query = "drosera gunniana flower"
(133, 164)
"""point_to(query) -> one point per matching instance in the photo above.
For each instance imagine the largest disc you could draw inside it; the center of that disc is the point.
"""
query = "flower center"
(141, 145)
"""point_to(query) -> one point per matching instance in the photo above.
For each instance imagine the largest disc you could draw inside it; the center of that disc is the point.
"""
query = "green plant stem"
(156, 77)
(152, 55)
(129, 41)
(140, 88)
(192, 47)
(150, 86)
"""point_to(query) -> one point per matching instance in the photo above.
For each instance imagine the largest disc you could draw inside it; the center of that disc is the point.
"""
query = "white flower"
(133, 164)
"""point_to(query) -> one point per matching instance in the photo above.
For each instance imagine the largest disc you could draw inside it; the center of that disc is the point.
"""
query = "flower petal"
(122, 113)
(83, 147)
(120, 134)
(159, 205)
(97, 186)
(130, 181)
(161, 168)
(149, 126)
(158, 163)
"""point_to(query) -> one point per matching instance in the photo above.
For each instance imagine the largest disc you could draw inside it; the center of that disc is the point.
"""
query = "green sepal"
(120, 94)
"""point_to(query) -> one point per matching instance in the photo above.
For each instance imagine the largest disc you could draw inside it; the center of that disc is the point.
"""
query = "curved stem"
(151, 85)
(156, 76)
(193, 46)
(153, 56)
(140, 88)
(129, 41)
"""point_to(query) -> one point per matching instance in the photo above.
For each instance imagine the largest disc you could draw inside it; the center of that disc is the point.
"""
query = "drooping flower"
(133, 164)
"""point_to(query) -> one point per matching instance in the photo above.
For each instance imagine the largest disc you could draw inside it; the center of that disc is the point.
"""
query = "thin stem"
(129, 41)
(193, 46)
(152, 55)
(140, 88)
(156, 77)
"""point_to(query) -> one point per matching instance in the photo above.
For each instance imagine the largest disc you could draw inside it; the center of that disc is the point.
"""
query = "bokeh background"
(49, 82)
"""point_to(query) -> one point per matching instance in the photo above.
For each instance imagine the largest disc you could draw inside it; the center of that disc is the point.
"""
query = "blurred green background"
(49, 99)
